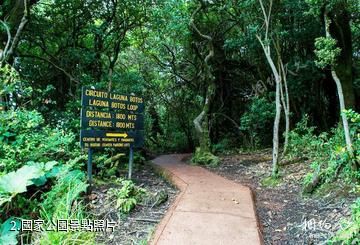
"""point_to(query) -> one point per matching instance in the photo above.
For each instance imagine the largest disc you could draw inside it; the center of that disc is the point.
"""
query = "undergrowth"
(270, 181)
(40, 179)
(350, 231)
(205, 158)
(327, 151)
(331, 162)
(65, 193)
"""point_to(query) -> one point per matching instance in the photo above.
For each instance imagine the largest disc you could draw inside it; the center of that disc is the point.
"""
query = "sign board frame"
(110, 120)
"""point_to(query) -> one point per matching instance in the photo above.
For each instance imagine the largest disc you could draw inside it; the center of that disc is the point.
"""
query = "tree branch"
(53, 64)
(192, 24)
(4, 52)
(21, 27)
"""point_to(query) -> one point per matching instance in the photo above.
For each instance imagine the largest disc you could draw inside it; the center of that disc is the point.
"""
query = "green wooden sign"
(110, 120)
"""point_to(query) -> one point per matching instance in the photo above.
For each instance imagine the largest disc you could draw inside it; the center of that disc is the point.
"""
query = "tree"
(278, 74)
(201, 122)
(328, 54)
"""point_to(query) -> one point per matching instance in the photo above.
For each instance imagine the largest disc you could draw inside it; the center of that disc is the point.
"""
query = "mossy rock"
(205, 158)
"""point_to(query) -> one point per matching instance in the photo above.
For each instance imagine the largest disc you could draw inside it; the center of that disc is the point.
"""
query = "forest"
(263, 92)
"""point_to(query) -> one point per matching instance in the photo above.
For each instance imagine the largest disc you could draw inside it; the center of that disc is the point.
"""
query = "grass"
(63, 202)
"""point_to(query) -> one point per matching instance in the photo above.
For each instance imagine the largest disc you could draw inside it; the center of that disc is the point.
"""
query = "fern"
(128, 196)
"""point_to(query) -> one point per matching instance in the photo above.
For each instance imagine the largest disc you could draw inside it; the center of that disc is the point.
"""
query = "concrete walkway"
(209, 209)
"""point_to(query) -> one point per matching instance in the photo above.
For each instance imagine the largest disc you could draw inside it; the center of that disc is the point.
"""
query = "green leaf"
(50, 165)
(31, 172)
(54, 172)
(8, 134)
(7, 235)
(39, 181)
(16, 182)
(13, 183)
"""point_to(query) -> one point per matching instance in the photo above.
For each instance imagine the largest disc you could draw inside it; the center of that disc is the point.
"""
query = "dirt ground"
(138, 225)
(286, 216)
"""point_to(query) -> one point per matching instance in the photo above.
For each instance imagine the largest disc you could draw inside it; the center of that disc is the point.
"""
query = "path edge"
(258, 223)
(181, 186)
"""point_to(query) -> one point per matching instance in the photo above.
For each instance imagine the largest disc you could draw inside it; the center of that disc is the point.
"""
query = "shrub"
(303, 141)
(223, 146)
(23, 138)
(256, 121)
(9, 79)
(328, 153)
(31, 154)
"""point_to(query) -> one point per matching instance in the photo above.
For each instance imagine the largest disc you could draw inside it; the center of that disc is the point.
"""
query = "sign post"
(89, 169)
(131, 158)
(110, 120)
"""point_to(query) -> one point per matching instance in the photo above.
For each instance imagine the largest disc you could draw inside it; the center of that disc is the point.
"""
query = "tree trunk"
(275, 162)
(113, 60)
(339, 28)
(201, 122)
(286, 104)
(266, 48)
(339, 91)
(275, 167)
(97, 62)
(342, 108)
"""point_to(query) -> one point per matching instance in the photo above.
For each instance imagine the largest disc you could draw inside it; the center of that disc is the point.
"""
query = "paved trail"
(209, 210)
